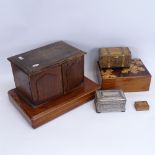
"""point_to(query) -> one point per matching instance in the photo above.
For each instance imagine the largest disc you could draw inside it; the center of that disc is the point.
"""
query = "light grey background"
(88, 25)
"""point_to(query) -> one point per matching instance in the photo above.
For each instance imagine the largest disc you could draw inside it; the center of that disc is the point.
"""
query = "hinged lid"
(40, 58)
(114, 51)
(104, 96)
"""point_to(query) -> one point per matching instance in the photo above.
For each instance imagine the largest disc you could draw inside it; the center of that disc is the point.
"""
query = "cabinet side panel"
(22, 82)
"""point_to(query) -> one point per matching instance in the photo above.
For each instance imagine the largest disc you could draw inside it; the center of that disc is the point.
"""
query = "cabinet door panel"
(47, 84)
(73, 73)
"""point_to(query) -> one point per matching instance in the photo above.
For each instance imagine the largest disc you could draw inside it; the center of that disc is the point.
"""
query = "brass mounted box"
(114, 57)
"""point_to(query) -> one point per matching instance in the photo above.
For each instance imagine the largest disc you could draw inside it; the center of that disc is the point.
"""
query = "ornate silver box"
(110, 101)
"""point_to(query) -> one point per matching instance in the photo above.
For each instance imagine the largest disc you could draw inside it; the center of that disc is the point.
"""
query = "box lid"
(40, 58)
(114, 51)
(104, 96)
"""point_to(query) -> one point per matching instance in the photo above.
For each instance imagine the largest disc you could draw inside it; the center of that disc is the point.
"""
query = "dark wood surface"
(60, 70)
(73, 73)
(128, 82)
(54, 108)
(47, 84)
(22, 82)
(45, 56)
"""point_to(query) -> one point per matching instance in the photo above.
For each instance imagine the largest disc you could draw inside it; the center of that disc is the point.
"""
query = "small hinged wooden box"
(48, 72)
(110, 100)
(115, 57)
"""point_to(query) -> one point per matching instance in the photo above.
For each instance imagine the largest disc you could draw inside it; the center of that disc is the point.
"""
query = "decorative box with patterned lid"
(110, 101)
(114, 57)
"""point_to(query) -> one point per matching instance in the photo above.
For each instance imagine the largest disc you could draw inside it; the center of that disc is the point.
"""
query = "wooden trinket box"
(48, 72)
(110, 101)
(141, 106)
(133, 79)
(115, 57)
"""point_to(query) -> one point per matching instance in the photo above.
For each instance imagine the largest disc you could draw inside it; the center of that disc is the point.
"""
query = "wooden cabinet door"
(47, 84)
(73, 73)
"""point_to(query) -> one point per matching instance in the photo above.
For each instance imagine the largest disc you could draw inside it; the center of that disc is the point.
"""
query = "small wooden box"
(115, 57)
(48, 72)
(133, 79)
(110, 100)
(141, 106)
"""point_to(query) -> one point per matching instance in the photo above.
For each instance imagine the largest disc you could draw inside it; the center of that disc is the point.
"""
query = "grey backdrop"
(87, 24)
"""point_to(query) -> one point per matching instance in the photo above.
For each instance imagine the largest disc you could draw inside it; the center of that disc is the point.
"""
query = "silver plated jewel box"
(110, 101)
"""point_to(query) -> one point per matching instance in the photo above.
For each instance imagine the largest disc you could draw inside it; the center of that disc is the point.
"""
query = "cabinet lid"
(40, 58)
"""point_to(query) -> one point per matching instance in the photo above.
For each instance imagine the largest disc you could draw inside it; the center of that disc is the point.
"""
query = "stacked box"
(133, 79)
(115, 57)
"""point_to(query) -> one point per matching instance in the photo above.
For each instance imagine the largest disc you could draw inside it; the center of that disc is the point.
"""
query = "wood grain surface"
(54, 108)
(128, 82)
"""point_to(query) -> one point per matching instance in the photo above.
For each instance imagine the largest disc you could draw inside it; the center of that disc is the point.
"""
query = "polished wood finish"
(48, 72)
(141, 105)
(128, 82)
(55, 107)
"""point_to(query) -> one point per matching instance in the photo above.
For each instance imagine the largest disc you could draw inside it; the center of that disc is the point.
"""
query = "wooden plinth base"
(54, 108)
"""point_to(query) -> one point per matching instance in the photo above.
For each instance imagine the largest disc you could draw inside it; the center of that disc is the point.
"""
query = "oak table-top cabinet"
(48, 72)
